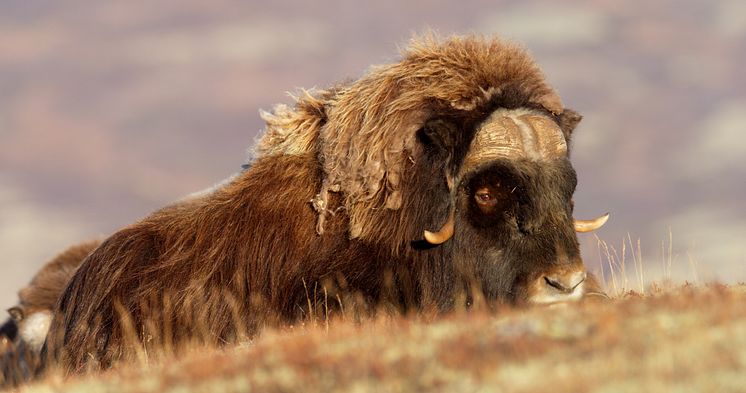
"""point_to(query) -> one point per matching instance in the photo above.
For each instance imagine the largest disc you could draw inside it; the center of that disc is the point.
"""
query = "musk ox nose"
(561, 286)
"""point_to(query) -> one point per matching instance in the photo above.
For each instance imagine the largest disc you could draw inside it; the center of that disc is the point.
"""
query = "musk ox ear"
(567, 121)
(439, 139)
(437, 136)
(16, 313)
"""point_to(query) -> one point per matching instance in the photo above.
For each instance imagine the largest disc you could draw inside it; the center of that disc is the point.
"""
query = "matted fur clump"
(364, 132)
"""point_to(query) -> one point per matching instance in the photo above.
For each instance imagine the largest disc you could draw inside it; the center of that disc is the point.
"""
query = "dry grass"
(619, 279)
(688, 338)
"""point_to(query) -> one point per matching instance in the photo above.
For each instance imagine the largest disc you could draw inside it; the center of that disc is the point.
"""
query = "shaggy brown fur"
(333, 208)
(25, 331)
(42, 292)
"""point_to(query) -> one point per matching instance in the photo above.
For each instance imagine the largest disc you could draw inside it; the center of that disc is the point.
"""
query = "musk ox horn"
(445, 232)
(515, 134)
(591, 225)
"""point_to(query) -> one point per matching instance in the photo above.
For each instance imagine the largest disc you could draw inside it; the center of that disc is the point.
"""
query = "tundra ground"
(683, 339)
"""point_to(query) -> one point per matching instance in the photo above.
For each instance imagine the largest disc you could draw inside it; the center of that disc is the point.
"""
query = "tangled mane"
(364, 132)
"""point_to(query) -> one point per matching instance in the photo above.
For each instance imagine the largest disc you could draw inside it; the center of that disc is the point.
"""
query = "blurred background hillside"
(109, 110)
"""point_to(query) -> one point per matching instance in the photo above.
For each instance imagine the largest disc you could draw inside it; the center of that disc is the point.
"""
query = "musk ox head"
(30, 318)
(458, 154)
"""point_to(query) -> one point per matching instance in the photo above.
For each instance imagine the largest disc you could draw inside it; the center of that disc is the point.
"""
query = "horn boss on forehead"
(515, 134)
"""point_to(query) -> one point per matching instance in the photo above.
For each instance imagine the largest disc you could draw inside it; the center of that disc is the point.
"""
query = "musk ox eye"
(485, 199)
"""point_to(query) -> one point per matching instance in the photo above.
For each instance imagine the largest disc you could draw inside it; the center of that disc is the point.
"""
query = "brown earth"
(683, 339)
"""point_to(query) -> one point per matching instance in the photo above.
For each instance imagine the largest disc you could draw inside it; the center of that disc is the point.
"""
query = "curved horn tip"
(435, 238)
(584, 226)
(445, 233)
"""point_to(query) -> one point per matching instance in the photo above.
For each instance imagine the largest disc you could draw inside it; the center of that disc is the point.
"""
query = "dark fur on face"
(529, 230)
(334, 207)
(527, 227)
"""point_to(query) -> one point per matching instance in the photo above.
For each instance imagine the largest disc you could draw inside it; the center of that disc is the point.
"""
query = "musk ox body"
(25, 331)
(446, 173)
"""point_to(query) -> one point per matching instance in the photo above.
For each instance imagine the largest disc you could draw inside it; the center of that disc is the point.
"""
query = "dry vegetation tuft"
(686, 338)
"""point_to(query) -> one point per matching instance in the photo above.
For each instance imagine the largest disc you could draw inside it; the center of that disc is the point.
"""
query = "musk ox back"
(446, 173)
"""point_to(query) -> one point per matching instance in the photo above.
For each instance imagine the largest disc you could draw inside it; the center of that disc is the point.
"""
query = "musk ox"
(8, 334)
(445, 173)
(25, 331)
